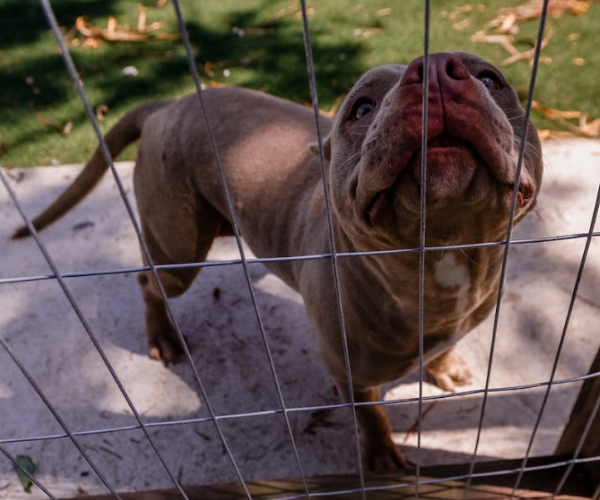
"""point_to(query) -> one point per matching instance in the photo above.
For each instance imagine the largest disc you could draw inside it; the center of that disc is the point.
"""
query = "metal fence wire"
(284, 410)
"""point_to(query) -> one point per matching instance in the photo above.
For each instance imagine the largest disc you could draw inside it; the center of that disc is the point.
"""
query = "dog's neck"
(460, 287)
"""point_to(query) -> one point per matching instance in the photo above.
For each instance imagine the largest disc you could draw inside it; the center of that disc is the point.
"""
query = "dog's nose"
(447, 73)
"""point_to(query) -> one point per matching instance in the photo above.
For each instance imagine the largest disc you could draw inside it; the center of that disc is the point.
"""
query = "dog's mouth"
(445, 141)
(445, 154)
(451, 167)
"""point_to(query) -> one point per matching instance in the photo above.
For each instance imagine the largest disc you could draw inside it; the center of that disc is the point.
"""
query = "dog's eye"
(490, 80)
(361, 108)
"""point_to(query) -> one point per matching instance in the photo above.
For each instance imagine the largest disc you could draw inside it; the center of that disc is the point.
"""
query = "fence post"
(589, 394)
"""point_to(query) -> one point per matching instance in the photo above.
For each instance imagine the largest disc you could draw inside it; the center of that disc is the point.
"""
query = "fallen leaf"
(461, 25)
(585, 127)
(115, 32)
(508, 19)
(25, 463)
(101, 111)
(141, 24)
(555, 114)
(291, 9)
(44, 120)
(578, 61)
(383, 12)
(67, 128)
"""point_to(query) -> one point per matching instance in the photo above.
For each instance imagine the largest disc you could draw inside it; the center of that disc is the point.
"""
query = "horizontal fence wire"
(295, 258)
(333, 256)
(233, 416)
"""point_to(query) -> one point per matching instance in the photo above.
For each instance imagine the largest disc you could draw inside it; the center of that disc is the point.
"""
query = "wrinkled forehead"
(473, 63)
(382, 79)
(379, 79)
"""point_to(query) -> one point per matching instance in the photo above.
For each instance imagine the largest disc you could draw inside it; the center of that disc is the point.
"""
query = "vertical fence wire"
(49, 13)
(511, 221)
(422, 229)
(29, 475)
(233, 219)
(334, 258)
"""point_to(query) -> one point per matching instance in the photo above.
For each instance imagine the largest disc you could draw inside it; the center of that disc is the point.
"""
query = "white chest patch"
(450, 274)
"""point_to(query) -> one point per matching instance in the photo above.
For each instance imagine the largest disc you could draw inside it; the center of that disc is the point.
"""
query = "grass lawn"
(37, 98)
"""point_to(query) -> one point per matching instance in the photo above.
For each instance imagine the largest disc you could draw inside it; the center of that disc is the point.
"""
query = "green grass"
(273, 61)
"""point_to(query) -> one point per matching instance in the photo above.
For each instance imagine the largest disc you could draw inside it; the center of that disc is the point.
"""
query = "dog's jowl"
(373, 155)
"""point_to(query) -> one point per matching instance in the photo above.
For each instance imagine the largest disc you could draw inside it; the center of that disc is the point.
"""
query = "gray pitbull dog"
(373, 161)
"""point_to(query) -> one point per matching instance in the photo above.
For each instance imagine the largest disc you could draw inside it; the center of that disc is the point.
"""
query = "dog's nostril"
(456, 70)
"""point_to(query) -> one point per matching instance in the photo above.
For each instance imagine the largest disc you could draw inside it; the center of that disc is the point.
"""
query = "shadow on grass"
(262, 55)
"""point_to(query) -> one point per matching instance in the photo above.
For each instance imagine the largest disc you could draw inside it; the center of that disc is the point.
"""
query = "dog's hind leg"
(175, 234)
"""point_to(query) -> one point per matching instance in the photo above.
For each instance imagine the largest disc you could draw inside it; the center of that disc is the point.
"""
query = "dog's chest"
(452, 281)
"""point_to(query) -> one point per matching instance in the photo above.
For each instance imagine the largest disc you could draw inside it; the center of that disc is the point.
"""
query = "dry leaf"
(508, 19)
(141, 24)
(461, 25)
(366, 32)
(383, 12)
(309, 12)
(291, 9)
(334, 108)
(101, 111)
(555, 114)
(207, 69)
(115, 32)
(584, 127)
(591, 129)
(67, 128)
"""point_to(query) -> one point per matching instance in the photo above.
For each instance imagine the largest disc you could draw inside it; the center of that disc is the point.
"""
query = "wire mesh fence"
(212, 427)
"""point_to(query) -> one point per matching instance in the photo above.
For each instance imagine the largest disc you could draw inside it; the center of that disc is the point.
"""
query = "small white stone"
(130, 71)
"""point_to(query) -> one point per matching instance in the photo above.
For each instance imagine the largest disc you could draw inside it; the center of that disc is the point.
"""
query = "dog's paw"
(386, 457)
(166, 349)
(450, 371)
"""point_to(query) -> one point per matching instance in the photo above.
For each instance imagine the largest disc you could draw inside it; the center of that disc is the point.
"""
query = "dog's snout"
(446, 72)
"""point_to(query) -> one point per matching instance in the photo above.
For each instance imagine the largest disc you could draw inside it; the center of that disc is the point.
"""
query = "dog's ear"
(314, 147)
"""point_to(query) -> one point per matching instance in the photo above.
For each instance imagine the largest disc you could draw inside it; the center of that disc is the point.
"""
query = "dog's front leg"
(380, 452)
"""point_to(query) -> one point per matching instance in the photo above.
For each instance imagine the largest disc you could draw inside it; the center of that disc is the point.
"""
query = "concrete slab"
(217, 317)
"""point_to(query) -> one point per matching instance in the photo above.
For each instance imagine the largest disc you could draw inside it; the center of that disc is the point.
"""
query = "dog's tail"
(126, 131)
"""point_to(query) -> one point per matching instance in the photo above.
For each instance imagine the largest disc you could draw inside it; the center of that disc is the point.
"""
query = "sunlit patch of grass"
(254, 43)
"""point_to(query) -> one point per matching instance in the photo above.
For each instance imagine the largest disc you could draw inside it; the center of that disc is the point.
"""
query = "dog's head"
(474, 132)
